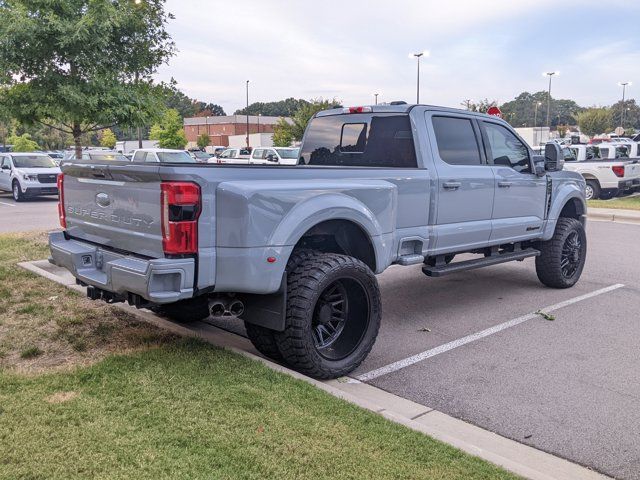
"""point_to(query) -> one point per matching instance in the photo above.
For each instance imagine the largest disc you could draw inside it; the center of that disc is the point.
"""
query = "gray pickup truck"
(294, 250)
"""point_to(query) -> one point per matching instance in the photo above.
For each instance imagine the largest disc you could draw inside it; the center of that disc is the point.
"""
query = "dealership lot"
(566, 386)
(471, 346)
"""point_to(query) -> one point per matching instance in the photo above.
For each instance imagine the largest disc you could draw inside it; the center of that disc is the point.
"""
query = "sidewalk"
(614, 215)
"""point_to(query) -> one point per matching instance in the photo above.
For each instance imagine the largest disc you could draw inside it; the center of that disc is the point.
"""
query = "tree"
(631, 114)
(23, 143)
(284, 130)
(594, 121)
(281, 108)
(482, 106)
(169, 132)
(522, 110)
(282, 134)
(208, 109)
(81, 65)
(108, 139)
(562, 130)
(203, 141)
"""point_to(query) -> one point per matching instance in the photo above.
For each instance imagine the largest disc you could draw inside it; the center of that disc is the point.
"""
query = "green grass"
(188, 410)
(108, 397)
(628, 203)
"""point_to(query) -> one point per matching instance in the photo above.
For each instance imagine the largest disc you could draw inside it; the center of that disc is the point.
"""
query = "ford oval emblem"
(103, 200)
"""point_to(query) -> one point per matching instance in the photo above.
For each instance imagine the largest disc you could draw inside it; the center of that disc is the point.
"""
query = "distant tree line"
(530, 109)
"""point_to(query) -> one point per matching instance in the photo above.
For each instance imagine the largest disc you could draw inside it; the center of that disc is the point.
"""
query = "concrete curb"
(613, 215)
(509, 454)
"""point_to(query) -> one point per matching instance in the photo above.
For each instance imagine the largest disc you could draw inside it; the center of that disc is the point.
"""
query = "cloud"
(351, 49)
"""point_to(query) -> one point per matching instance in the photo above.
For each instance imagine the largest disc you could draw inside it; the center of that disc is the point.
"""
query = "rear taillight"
(61, 213)
(181, 207)
(618, 170)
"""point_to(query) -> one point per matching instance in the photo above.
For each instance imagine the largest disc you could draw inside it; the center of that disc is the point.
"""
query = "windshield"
(33, 161)
(175, 157)
(200, 154)
(287, 152)
(109, 157)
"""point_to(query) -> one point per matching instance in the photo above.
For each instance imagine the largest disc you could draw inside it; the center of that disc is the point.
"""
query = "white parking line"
(400, 364)
(7, 204)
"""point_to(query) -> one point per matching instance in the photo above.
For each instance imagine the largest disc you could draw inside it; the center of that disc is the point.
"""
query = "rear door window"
(359, 140)
(457, 142)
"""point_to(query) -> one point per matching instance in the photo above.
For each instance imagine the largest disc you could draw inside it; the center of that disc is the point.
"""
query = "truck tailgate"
(117, 206)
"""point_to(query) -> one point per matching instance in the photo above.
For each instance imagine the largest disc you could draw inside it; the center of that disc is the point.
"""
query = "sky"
(351, 49)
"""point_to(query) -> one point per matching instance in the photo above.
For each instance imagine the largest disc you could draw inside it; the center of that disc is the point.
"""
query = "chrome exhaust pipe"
(217, 309)
(236, 308)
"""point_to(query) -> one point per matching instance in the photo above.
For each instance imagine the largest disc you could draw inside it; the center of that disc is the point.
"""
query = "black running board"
(495, 259)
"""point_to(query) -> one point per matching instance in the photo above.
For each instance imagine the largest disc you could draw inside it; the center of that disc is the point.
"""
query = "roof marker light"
(357, 110)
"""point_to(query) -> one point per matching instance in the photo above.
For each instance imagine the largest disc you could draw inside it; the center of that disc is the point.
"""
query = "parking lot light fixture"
(535, 114)
(550, 75)
(376, 97)
(424, 53)
(624, 89)
(247, 113)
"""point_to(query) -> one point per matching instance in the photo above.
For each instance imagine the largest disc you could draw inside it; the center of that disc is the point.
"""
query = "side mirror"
(539, 165)
(271, 158)
(553, 158)
(6, 167)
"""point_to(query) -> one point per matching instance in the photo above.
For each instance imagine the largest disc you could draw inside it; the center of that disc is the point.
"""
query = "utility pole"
(417, 56)
(549, 74)
(624, 88)
(376, 96)
(247, 113)
(535, 114)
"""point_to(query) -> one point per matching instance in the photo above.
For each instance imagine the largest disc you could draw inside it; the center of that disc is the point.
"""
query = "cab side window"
(456, 139)
(258, 153)
(138, 156)
(506, 149)
(5, 163)
(150, 158)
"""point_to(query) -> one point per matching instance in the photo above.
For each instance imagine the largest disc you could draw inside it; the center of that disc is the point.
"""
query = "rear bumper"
(625, 184)
(161, 280)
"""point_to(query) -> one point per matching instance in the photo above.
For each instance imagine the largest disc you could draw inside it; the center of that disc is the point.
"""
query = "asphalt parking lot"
(568, 386)
(39, 213)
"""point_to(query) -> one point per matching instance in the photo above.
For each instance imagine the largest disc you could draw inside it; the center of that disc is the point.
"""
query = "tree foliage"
(482, 106)
(23, 143)
(186, 106)
(521, 112)
(281, 108)
(108, 139)
(81, 65)
(294, 131)
(631, 114)
(594, 121)
(203, 141)
(169, 132)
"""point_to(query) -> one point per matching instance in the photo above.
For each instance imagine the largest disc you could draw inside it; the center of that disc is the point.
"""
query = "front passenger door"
(520, 198)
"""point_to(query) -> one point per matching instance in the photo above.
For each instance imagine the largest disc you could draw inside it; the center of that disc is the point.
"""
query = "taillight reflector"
(61, 212)
(181, 207)
(618, 170)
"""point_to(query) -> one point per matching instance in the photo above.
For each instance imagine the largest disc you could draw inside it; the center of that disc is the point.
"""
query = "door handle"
(505, 184)
(452, 185)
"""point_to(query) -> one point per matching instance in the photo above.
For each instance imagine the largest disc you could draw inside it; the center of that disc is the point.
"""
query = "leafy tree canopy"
(521, 112)
(594, 121)
(169, 132)
(203, 141)
(281, 108)
(285, 131)
(23, 143)
(81, 65)
(108, 139)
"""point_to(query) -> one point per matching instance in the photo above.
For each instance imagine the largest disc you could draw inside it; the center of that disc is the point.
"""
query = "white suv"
(275, 156)
(28, 175)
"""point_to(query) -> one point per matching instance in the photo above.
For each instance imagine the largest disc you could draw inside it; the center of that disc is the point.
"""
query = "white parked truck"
(606, 177)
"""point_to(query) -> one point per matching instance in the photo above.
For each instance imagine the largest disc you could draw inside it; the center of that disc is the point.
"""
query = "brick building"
(221, 128)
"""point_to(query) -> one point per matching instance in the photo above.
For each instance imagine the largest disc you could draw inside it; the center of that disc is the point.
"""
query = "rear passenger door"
(520, 198)
(465, 184)
(5, 173)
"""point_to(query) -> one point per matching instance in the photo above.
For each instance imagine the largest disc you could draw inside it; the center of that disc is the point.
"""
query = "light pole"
(424, 53)
(549, 74)
(624, 88)
(376, 97)
(247, 113)
(535, 114)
